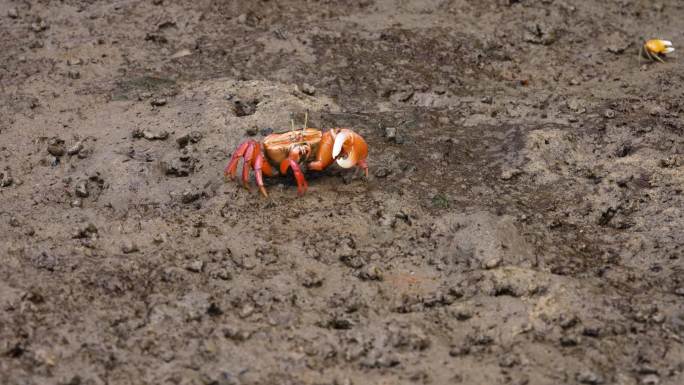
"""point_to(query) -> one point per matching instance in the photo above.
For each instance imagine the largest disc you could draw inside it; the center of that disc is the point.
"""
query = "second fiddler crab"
(655, 49)
(305, 148)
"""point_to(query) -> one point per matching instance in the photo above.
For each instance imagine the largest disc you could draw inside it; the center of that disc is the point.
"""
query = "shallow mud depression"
(521, 223)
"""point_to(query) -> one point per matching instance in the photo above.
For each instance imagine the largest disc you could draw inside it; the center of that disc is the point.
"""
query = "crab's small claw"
(349, 150)
(324, 156)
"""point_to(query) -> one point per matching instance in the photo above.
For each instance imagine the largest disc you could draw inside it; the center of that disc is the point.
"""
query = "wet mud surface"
(521, 224)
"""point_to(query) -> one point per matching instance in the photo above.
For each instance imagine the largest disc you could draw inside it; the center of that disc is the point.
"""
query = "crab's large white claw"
(339, 142)
(350, 150)
(344, 140)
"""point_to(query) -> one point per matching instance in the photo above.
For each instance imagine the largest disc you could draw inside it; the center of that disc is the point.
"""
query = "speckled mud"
(521, 224)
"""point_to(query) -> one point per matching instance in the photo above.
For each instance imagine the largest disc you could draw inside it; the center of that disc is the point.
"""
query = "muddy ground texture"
(522, 223)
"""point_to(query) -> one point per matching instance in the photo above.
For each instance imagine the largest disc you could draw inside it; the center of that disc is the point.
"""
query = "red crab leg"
(364, 166)
(258, 164)
(249, 154)
(231, 168)
(266, 167)
(299, 176)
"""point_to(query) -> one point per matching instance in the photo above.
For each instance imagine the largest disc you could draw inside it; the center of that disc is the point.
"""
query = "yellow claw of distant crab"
(658, 46)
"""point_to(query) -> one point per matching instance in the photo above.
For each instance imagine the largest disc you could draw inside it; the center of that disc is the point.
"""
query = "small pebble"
(176, 167)
(158, 102)
(381, 172)
(192, 137)
(390, 133)
(56, 147)
(76, 148)
(195, 266)
(589, 377)
(371, 273)
(402, 96)
(680, 291)
(440, 90)
(308, 89)
(246, 311)
(181, 53)
(12, 13)
(222, 273)
(155, 135)
(591, 331)
(236, 334)
(128, 247)
(312, 279)
(647, 369)
(81, 189)
(462, 313)
(6, 179)
(39, 26)
(567, 341)
(492, 263)
(567, 322)
(87, 231)
(650, 379)
(457, 351)
(509, 173)
(509, 361)
(190, 196)
(149, 135)
(657, 111)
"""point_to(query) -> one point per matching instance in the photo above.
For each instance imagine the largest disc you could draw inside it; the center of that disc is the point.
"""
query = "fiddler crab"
(656, 49)
(308, 147)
